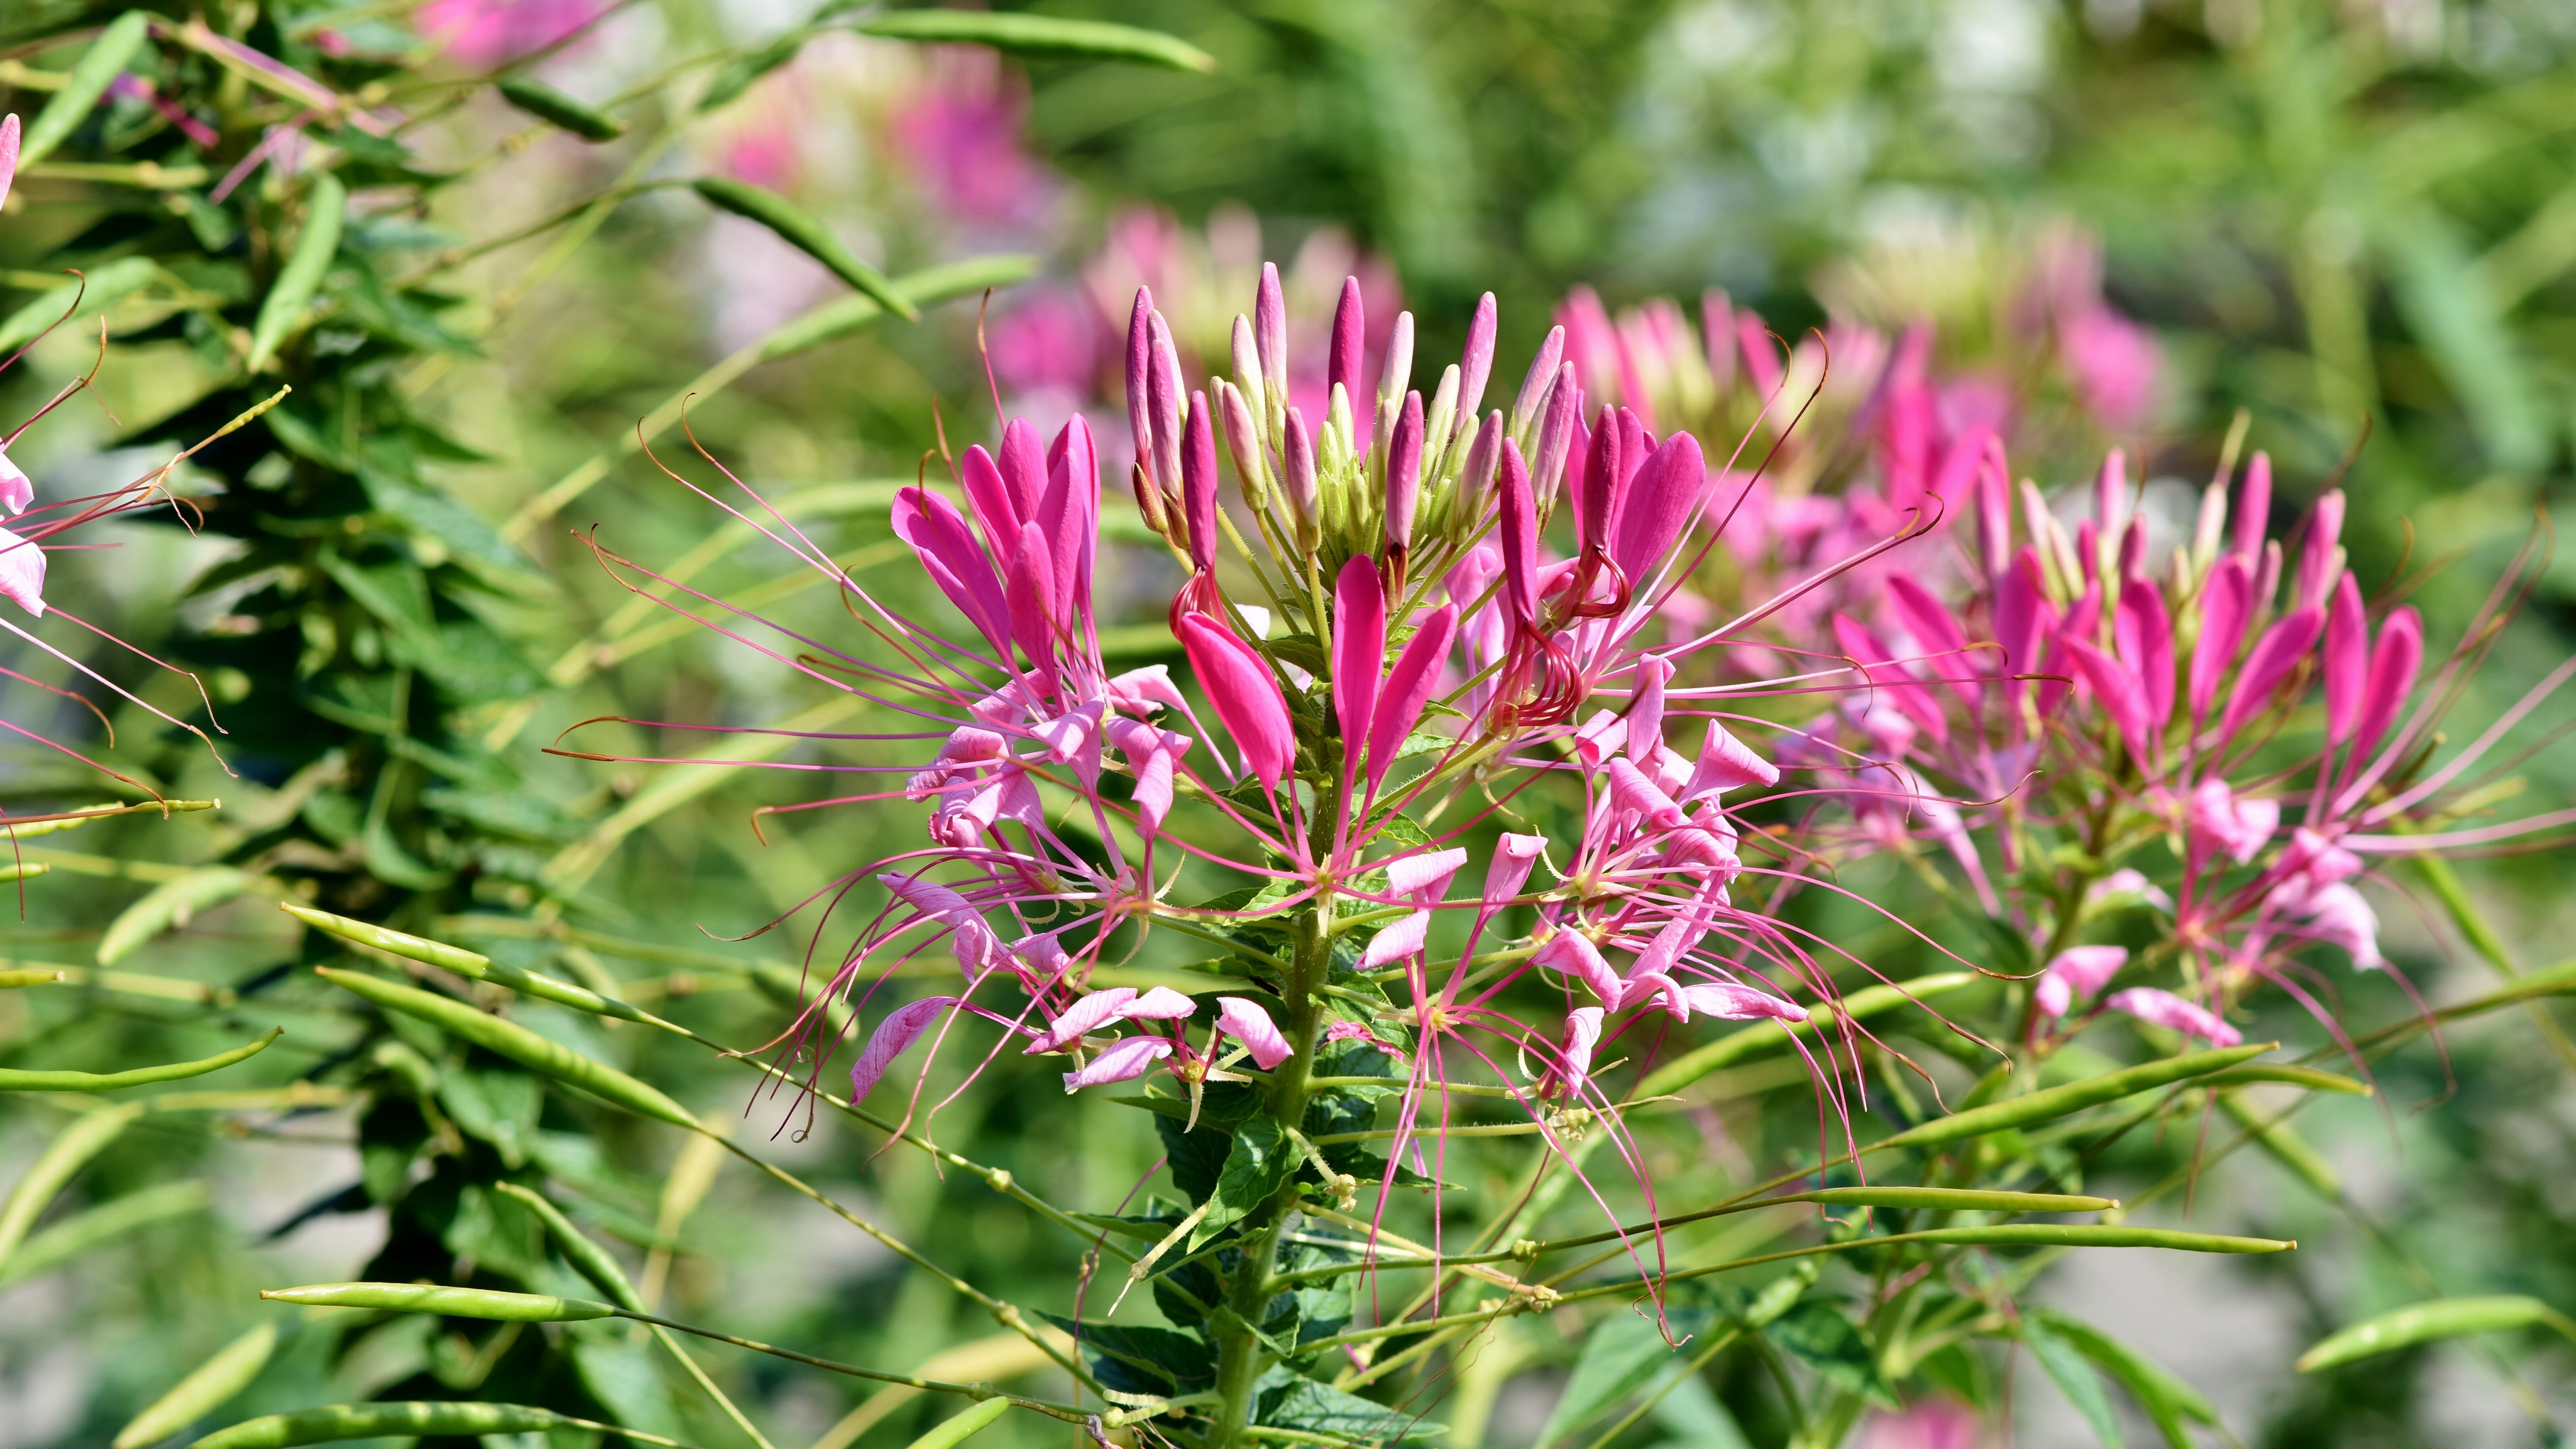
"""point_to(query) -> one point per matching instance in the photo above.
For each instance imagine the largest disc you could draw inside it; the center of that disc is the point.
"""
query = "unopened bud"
(1556, 436)
(1476, 360)
(1270, 331)
(1198, 485)
(1350, 330)
(1439, 427)
(1140, 364)
(1298, 455)
(1476, 476)
(1247, 365)
(1242, 439)
(1403, 475)
(1166, 395)
(1393, 379)
(1537, 387)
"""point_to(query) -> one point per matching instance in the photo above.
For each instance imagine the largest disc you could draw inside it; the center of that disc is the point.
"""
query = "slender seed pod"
(485, 1303)
(509, 1039)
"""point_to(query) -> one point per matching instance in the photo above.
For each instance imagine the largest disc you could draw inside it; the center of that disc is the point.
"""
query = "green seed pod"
(466, 963)
(1949, 1199)
(2090, 1235)
(12, 980)
(956, 1429)
(1041, 35)
(382, 1421)
(586, 1256)
(2425, 1322)
(18, 1081)
(89, 79)
(211, 1386)
(301, 277)
(548, 104)
(488, 1303)
(508, 1038)
(2308, 1077)
(2056, 1102)
(167, 906)
(1727, 1050)
(803, 231)
(739, 73)
(67, 1154)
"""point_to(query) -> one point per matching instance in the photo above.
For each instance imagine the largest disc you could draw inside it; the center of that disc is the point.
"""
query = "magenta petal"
(1582, 1036)
(2116, 690)
(1030, 594)
(1404, 473)
(1359, 652)
(8, 155)
(2254, 508)
(1514, 856)
(1198, 483)
(1409, 684)
(1140, 364)
(2393, 664)
(1519, 536)
(1574, 954)
(1243, 1019)
(1342, 363)
(2347, 660)
(891, 1039)
(1660, 500)
(2271, 660)
(1936, 633)
(1631, 790)
(2225, 601)
(946, 546)
(1246, 695)
(1129, 1058)
(1729, 1002)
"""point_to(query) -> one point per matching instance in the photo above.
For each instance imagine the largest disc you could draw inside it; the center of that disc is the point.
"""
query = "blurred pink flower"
(480, 34)
(1931, 1424)
(1050, 339)
(2112, 362)
(958, 135)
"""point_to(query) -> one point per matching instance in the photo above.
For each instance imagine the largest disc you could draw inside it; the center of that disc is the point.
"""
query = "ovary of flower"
(22, 572)
(2077, 971)
(2236, 828)
(2163, 1008)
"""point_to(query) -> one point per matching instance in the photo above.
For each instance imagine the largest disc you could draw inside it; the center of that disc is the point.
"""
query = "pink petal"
(2317, 564)
(16, 490)
(1244, 1020)
(1725, 763)
(1666, 491)
(1029, 593)
(1582, 1035)
(1140, 363)
(2274, 656)
(2116, 690)
(959, 565)
(1359, 651)
(1572, 953)
(1198, 484)
(1129, 1058)
(2087, 969)
(2347, 660)
(1729, 1002)
(1514, 855)
(2163, 1008)
(1404, 937)
(1160, 1004)
(2254, 508)
(973, 943)
(1342, 362)
(1519, 532)
(1424, 877)
(2226, 599)
(1631, 791)
(891, 1039)
(1645, 735)
(2393, 663)
(1404, 473)
(1936, 632)
(2144, 632)
(1409, 684)
(1246, 695)
(1087, 1014)
(1886, 676)
(22, 573)
(8, 155)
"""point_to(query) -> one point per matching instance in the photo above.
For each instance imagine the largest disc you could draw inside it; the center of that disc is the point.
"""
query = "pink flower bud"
(1519, 537)
(1242, 441)
(970, 940)
(1538, 388)
(2163, 1008)
(1556, 435)
(2254, 509)
(1198, 485)
(1246, 695)
(1633, 794)
(931, 524)
(1476, 361)
(1394, 376)
(1167, 395)
(1270, 331)
(893, 1036)
(2319, 554)
(1342, 363)
(1404, 474)
(1247, 361)
(1937, 634)
(1476, 476)
(1140, 381)
(1243, 1019)
(1298, 462)
(2116, 690)
(2078, 971)
(1029, 590)
(2143, 632)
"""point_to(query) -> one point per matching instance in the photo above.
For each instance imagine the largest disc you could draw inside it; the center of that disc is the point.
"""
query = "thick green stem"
(1239, 1354)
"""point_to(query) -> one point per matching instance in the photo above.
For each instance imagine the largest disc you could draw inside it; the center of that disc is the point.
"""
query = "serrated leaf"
(1257, 1165)
(2074, 1377)
(1173, 1360)
(1284, 1400)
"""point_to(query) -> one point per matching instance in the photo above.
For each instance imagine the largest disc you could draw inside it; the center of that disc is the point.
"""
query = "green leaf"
(2166, 1399)
(1820, 1333)
(1170, 1359)
(282, 311)
(957, 1428)
(1042, 35)
(2074, 1378)
(548, 104)
(802, 230)
(1256, 1167)
(499, 1107)
(1620, 1356)
(71, 1236)
(88, 80)
(209, 1387)
(2443, 296)
(168, 906)
(1283, 1400)
(2054, 1102)
(2426, 1322)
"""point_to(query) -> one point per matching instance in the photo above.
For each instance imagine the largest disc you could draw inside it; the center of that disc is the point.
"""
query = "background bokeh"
(2354, 221)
